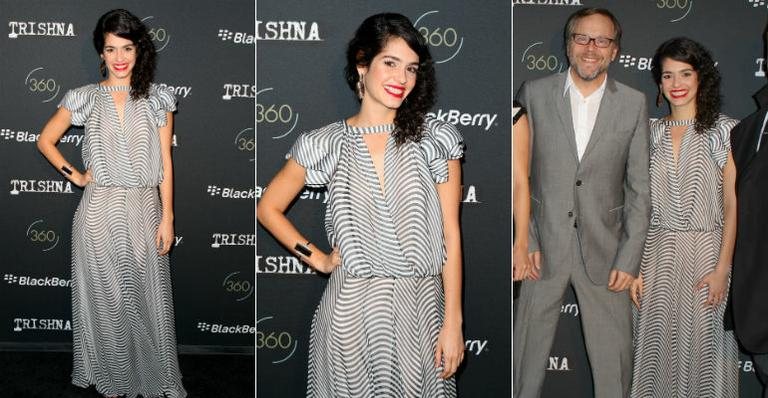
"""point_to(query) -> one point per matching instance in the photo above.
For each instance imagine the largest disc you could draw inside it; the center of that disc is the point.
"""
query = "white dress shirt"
(583, 111)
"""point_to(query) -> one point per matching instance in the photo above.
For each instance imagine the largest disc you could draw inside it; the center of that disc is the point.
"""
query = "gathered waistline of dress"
(681, 230)
(94, 185)
(377, 276)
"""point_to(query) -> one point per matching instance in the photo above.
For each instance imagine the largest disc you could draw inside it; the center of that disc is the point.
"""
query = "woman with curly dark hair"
(389, 322)
(124, 340)
(681, 347)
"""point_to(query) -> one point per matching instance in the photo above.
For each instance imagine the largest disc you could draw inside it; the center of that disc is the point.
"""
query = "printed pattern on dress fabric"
(375, 337)
(681, 348)
(124, 339)
(375, 330)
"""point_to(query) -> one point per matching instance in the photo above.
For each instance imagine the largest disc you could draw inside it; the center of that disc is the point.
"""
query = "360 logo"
(541, 62)
(240, 287)
(279, 343)
(276, 115)
(158, 34)
(41, 84)
(676, 6)
(42, 235)
(245, 141)
(445, 41)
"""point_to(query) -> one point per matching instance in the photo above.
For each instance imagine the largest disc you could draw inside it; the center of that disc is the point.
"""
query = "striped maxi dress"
(124, 339)
(681, 348)
(375, 329)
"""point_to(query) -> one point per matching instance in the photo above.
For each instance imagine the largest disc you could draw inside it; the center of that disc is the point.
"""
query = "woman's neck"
(372, 117)
(111, 81)
(683, 112)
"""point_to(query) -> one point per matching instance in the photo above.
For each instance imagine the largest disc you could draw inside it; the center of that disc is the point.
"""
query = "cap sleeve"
(314, 150)
(441, 142)
(79, 103)
(657, 131)
(720, 140)
(162, 101)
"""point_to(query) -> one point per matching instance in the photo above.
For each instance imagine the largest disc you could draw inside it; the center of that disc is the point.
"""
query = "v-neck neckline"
(359, 132)
(381, 179)
(675, 157)
(109, 90)
(120, 120)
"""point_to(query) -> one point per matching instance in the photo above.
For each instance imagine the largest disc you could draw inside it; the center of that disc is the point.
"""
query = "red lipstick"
(395, 91)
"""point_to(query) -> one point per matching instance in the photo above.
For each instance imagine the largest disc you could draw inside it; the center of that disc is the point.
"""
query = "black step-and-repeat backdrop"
(206, 55)
(300, 53)
(732, 30)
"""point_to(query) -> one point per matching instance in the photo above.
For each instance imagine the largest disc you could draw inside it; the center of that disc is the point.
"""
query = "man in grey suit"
(590, 204)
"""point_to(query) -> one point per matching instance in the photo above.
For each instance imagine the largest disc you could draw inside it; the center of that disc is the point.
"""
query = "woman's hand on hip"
(329, 263)
(84, 179)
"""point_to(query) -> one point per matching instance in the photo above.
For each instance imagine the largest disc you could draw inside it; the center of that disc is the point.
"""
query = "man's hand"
(619, 281)
(636, 291)
(535, 261)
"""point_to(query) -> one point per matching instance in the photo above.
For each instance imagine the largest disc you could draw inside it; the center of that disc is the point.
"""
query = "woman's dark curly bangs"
(126, 25)
(683, 49)
(370, 38)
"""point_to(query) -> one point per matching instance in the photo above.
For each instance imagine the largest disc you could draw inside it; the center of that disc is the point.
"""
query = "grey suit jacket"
(604, 198)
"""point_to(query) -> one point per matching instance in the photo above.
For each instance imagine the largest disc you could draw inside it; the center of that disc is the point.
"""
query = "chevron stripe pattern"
(375, 330)
(124, 339)
(681, 348)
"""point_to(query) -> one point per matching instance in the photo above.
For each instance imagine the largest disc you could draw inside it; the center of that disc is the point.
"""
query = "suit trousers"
(606, 321)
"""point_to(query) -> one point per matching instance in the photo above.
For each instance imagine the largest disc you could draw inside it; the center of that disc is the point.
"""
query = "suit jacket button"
(570, 214)
(578, 183)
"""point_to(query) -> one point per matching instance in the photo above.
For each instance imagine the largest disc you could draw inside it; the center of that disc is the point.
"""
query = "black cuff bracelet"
(303, 249)
(66, 170)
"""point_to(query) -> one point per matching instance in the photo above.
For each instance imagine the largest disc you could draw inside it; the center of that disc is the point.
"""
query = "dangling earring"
(360, 88)
(659, 99)
(103, 68)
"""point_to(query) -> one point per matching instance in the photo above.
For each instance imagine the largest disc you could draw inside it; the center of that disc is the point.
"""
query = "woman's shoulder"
(161, 91)
(328, 131)
(443, 133)
(435, 126)
(725, 121)
(656, 123)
